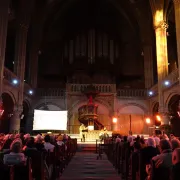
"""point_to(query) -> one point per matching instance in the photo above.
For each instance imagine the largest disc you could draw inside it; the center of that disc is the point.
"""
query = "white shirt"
(49, 146)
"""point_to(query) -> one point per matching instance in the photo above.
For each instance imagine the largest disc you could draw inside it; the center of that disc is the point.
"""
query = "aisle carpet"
(85, 166)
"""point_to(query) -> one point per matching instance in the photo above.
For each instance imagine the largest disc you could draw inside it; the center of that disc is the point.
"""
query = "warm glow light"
(148, 120)
(114, 120)
(90, 128)
(158, 117)
(158, 17)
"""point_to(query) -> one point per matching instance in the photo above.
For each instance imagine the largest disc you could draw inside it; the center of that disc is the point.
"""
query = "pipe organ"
(91, 46)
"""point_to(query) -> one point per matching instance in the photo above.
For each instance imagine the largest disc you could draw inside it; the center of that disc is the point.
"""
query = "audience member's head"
(175, 143)
(176, 156)
(60, 138)
(16, 146)
(164, 145)
(125, 138)
(151, 142)
(136, 146)
(27, 136)
(47, 138)
(142, 143)
(30, 143)
(157, 140)
(130, 139)
(38, 138)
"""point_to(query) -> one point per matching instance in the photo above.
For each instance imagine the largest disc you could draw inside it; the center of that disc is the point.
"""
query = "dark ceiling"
(128, 23)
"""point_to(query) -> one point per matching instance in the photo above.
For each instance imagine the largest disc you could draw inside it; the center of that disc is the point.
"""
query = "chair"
(38, 166)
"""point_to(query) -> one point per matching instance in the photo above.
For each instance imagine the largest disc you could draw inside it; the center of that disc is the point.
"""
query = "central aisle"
(85, 166)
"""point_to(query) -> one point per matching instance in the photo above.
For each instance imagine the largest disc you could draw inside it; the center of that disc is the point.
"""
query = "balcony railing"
(102, 88)
(173, 78)
(56, 92)
(8, 75)
(132, 93)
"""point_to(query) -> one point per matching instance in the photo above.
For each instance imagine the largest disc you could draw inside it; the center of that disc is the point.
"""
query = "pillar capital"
(176, 2)
(161, 25)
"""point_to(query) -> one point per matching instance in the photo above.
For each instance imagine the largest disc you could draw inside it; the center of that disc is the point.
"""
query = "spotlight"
(15, 81)
(31, 92)
(114, 120)
(166, 83)
(148, 120)
(150, 93)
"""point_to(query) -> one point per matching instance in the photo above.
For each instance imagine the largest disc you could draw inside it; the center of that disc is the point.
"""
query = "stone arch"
(131, 113)
(11, 95)
(169, 98)
(46, 104)
(8, 105)
(133, 104)
(174, 111)
(155, 108)
(74, 123)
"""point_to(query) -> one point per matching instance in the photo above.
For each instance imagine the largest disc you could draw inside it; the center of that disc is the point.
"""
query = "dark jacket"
(176, 172)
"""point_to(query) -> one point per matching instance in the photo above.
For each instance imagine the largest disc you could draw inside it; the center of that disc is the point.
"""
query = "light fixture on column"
(166, 83)
(148, 120)
(31, 92)
(15, 81)
(114, 120)
(150, 93)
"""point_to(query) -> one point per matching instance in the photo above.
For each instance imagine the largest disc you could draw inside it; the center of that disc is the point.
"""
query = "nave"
(85, 166)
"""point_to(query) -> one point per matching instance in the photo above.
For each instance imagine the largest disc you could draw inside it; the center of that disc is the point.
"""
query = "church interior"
(90, 69)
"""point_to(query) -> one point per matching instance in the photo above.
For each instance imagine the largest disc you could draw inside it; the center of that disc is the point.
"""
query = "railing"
(173, 78)
(51, 92)
(102, 88)
(132, 93)
(8, 75)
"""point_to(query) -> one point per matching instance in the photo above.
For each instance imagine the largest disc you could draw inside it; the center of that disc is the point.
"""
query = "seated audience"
(162, 163)
(176, 164)
(60, 140)
(15, 156)
(47, 144)
(39, 143)
(30, 144)
(175, 143)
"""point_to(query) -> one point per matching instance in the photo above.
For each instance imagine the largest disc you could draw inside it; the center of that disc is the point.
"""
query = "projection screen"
(50, 120)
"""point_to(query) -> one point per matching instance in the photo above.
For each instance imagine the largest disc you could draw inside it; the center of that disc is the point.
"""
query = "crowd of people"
(159, 156)
(15, 148)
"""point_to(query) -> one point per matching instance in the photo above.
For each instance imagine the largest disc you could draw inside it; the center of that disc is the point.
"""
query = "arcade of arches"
(107, 58)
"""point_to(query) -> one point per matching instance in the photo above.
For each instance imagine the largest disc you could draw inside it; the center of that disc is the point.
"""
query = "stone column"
(29, 122)
(4, 7)
(177, 18)
(148, 66)
(19, 69)
(33, 68)
(162, 63)
(15, 120)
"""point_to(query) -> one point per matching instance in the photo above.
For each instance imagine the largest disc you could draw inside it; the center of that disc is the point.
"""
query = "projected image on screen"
(50, 120)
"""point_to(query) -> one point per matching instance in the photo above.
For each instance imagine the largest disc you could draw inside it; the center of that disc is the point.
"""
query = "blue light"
(15, 81)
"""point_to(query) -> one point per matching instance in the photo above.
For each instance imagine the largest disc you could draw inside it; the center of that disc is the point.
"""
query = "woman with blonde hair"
(15, 156)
